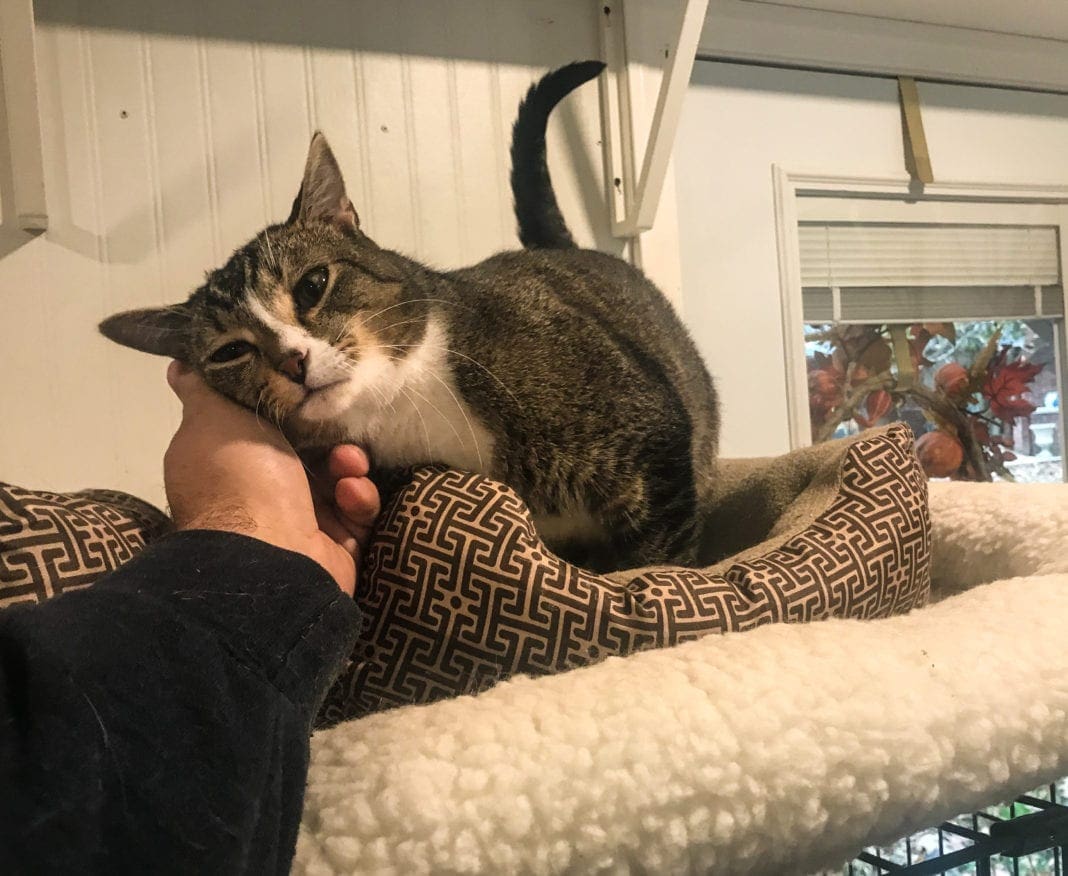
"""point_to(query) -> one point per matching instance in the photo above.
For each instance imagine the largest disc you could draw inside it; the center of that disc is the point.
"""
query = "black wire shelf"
(1027, 837)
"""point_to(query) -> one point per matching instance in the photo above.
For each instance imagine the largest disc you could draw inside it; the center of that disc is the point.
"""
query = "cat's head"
(301, 321)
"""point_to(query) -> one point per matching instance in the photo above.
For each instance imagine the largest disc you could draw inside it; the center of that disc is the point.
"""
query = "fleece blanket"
(785, 749)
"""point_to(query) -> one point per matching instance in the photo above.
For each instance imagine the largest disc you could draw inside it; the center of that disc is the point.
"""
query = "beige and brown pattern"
(54, 542)
(460, 592)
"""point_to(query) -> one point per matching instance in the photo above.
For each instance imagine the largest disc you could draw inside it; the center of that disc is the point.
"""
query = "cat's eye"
(232, 350)
(310, 288)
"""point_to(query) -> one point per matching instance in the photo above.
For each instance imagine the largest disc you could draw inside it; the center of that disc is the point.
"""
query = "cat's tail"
(540, 224)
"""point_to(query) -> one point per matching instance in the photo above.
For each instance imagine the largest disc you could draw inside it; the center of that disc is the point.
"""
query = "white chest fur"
(418, 414)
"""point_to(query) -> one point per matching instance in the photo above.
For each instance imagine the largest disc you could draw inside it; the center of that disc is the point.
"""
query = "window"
(945, 314)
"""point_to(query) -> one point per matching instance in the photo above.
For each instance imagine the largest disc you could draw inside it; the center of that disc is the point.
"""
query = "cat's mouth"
(315, 398)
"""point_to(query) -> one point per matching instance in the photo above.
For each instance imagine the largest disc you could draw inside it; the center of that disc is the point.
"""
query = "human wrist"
(232, 518)
(241, 522)
(314, 545)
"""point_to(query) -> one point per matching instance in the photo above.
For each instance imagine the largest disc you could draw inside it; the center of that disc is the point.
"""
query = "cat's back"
(583, 292)
(535, 285)
(570, 304)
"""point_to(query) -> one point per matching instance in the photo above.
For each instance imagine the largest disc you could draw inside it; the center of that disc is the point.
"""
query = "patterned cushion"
(461, 593)
(54, 542)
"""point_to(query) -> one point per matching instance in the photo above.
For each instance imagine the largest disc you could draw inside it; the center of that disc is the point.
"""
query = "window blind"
(869, 272)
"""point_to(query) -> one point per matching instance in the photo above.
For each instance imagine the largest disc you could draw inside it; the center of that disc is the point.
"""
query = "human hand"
(227, 469)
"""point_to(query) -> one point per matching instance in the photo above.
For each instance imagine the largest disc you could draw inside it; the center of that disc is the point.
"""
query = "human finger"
(357, 501)
(329, 523)
(186, 383)
(348, 461)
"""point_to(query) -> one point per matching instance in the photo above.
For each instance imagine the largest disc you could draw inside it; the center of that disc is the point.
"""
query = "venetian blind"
(873, 272)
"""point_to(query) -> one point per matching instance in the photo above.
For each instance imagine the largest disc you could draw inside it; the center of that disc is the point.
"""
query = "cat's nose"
(295, 365)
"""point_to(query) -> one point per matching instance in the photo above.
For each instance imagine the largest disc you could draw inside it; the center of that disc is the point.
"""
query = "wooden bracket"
(917, 158)
(635, 196)
(617, 129)
(18, 61)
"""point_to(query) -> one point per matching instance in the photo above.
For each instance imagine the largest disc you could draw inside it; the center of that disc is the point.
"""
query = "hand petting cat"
(227, 469)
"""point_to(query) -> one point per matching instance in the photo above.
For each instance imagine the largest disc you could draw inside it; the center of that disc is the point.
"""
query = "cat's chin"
(324, 404)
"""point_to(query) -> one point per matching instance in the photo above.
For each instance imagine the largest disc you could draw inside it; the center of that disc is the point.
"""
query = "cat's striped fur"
(562, 371)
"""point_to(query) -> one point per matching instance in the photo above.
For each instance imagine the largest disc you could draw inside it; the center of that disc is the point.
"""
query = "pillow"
(460, 592)
(54, 542)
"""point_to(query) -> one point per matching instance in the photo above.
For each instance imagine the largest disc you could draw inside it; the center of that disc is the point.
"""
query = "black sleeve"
(159, 721)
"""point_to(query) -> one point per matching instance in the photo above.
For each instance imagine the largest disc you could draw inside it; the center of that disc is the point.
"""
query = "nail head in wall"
(608, 10)
(384, 129)
(123, 114)
(617, 182)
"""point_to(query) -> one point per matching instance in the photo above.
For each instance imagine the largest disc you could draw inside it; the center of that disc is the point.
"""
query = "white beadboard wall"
(173, 132)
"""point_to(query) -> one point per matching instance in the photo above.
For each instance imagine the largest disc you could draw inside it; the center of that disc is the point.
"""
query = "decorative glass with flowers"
(966, 388)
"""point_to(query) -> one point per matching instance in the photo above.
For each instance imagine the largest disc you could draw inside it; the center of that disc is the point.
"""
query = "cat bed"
(782, 750)
(460, 593)
(54, 542)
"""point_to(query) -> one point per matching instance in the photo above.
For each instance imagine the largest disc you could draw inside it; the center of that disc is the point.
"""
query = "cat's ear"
(162, 331)
(322, 195)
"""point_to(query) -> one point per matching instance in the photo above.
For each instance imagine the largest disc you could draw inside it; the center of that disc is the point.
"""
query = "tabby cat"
(561, 371)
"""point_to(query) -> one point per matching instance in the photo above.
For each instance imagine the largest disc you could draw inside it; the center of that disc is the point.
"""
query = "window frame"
(842, 198)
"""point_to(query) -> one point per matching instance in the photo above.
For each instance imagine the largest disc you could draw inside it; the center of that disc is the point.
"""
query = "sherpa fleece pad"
(783, 750)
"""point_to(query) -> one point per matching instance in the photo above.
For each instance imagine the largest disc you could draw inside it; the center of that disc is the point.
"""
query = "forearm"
(161, 718)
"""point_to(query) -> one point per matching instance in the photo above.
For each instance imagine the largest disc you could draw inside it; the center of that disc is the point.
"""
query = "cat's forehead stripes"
(228, 286)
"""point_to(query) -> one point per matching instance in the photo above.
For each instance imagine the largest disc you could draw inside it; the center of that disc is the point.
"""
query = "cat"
(562, 372)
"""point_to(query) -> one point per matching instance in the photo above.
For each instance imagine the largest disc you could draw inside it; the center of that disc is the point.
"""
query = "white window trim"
(1039, 205)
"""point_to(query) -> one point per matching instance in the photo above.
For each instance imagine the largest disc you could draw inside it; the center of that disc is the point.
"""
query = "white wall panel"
(173, 132)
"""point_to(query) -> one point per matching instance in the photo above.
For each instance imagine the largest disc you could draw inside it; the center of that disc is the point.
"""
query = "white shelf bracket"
(616, 123)
(18, 64)
(634, 196)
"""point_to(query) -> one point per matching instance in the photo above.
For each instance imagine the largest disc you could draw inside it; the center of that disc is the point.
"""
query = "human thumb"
(186, 383)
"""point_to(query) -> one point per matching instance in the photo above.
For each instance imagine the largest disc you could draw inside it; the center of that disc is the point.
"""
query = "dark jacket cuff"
(277, 612)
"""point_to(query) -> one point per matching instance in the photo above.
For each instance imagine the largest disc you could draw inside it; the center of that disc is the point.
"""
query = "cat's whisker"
(344, 329)
(307, 470)
(277, 414)
(396, 360)
(366, 320)
(375, 391)
(351, 369)
(463, 413)
(437, 411)
(389, 401)
(402, 322)
(256, 410)
(500, 382)
(426, 433)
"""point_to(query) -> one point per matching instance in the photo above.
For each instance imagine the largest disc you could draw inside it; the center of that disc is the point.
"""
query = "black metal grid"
(1027, 837)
